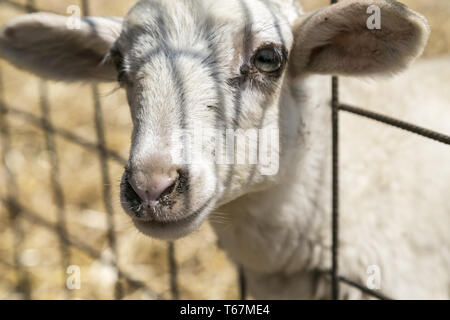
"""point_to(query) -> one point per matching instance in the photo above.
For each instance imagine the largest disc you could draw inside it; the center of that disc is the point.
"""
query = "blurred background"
(62, 149)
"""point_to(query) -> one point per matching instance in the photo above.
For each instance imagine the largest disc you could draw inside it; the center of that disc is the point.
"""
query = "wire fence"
(336, 108)
(18, 211)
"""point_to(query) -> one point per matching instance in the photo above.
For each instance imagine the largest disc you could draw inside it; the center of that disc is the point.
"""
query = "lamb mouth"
(169, 223)
(170, 230)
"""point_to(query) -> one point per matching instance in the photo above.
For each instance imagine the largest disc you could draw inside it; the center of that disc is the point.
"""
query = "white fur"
(394, 212)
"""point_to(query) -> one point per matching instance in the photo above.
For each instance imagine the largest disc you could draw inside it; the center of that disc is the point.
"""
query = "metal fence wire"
(43, 122)
(17, 210)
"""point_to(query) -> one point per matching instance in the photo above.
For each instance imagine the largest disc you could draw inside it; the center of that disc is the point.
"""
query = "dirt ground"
(50, 176)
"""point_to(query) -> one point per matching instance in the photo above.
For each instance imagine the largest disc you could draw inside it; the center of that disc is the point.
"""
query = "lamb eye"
(267, 60)
(121, 76)
(117, 59)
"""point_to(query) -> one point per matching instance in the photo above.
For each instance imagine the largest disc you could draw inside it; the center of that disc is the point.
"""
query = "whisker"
(221, 218)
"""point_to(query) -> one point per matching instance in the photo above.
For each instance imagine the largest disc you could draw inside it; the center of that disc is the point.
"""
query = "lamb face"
(199, 72)
(196, 81)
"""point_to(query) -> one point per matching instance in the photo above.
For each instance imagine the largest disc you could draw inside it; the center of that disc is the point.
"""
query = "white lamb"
(245, 64)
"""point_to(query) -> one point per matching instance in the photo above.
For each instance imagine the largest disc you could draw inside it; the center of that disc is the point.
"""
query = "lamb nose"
(154, 189)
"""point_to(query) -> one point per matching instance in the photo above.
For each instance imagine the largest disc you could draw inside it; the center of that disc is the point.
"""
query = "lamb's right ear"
(338, 39)
(47, 45)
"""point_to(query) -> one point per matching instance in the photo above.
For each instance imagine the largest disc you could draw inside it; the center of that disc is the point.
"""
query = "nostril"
(142, 194)
(151, 189)
(131, 193)
(167, 191)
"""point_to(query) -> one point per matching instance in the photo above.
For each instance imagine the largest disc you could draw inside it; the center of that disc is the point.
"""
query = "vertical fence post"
(103, 157)
(173, 270)
(23, 283)
(242, 284)
(30, 6)
(335, 189)
(58, 195)
(335, 185)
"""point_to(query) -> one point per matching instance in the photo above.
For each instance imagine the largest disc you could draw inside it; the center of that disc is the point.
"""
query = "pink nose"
(154, 187)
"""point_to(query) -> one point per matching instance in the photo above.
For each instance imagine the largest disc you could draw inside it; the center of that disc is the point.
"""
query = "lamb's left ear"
(338, 39)
(54, 47)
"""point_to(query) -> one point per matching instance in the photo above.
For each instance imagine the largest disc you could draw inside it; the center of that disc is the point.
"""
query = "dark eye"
(121, 76)
(267, 60)
(117, 59)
